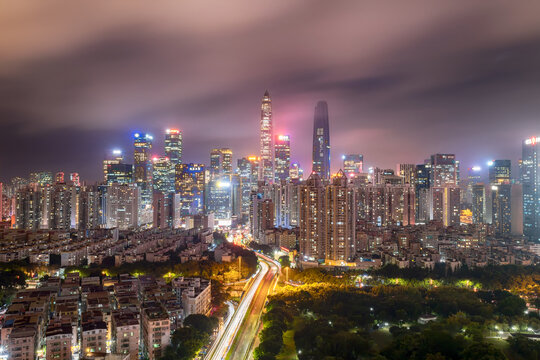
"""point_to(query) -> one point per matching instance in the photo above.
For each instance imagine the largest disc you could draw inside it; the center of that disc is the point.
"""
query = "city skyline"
(418, 84)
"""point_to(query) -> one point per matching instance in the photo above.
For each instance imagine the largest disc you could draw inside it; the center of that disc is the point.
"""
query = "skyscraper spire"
(266, 169)
(321, 141)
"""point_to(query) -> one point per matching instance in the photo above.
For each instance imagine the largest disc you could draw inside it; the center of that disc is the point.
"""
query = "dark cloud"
(403, 80)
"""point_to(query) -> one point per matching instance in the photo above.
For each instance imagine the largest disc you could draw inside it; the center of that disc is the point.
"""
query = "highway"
(235, 341)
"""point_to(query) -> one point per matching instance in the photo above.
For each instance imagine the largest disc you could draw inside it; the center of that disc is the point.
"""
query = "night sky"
(403, 79)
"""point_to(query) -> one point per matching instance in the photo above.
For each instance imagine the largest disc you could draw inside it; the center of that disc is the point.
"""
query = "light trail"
(220, 347)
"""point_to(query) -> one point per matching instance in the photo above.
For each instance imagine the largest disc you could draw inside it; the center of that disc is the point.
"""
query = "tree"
(528, 349)
(201, 323)
(482, 351)
(284, 261)
(512, 305)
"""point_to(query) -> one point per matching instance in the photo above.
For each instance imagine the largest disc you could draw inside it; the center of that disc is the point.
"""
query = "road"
(238, 334)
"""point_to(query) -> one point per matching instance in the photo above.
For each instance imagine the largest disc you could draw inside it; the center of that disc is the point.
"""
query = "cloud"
(403, 80)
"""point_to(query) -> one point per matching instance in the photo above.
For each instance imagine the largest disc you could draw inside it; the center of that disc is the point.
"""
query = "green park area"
(392, 313)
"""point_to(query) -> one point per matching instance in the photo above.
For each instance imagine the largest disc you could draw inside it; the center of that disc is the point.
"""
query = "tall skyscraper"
(190, 181)
(501, 216)
(248, 170)
(321, 141)
(41, 178)
(311, 218)
(408, 173)
(353, 164)
(114, 158)
(282, 146)
(500, 174)
(173, 146)
(296, 173)
(500, 171)
(266, 171)
(142, 162)
(143, 175)
(119, 173)
(530, 179)
(162, 169)
(340, 220)
(220, 162)
(478, 203)
(444, 170)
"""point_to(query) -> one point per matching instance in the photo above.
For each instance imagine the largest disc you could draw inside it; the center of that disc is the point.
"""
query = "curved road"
(235, 341)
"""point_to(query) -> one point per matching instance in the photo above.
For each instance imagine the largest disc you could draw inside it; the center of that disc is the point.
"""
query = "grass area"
(289, 348)
(382, 338)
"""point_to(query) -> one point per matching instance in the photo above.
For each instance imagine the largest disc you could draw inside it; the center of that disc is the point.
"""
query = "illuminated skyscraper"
(161, 174)
(75, 179)
(143, 175)
(408, 173)
(122, 207)
(296, 173)
(220, 162)
(501, 195)
(266, 171)
(321, 141)
(530, 179)
(221, 198)
(500, 171)
(42, 178)
(119, 173)
(248, 170)
(444, 170)
(116, 157)
(173, 146)
(353, 164)
(190, 183)
(91, 207)
(28, 208)
(340, 220)
(311, 218)
(142, 162)
(478, 203)
(59, 178)
(282, 157)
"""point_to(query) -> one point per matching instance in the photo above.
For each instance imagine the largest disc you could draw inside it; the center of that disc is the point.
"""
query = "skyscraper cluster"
(266, 191)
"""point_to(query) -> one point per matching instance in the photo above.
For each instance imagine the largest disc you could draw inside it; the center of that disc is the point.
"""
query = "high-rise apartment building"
(42, 178)
(321, 141)
(340, 220)
(530, 180)
(311, 218)
(266, 171)
(121, 206)
(408, 172)
(282, 158)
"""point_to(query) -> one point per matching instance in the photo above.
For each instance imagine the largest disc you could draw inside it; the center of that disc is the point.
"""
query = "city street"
(236, 339)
